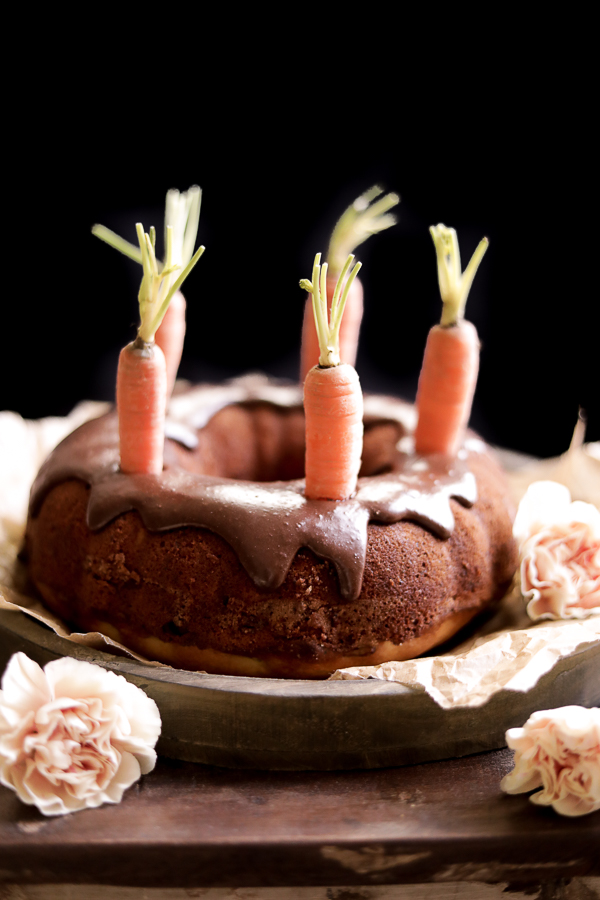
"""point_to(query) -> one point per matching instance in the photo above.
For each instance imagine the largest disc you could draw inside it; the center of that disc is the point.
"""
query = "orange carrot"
(451, 359)
(333, 408)
(170, 335)
(446, 387)
(333, 404)
(358, 222)
(142, 372)
(349, 329)
(182, 213)
(141, 405)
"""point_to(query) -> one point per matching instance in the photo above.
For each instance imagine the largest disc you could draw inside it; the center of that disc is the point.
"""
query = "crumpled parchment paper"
(24, 444)
(508, 652)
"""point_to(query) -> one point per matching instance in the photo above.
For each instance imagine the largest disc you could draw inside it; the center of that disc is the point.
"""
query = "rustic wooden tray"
(324, 725)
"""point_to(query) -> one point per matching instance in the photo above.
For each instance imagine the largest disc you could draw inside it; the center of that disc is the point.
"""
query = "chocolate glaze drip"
(266, 523)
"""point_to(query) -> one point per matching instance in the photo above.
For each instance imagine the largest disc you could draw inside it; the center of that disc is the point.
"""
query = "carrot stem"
(360, 220)
(175, 287)
(144, 378)
(182, 213)
(454, 285)
(162, 280)
(328, 322)
(451, 359)
(149, 297)
(333, 404)
(118, 243)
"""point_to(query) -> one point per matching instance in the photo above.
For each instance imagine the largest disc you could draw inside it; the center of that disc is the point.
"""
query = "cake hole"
(172, 628)
(381, 471)
(261, 442)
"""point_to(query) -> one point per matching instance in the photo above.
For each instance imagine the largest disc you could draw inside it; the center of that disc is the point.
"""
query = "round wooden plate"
(265, 723)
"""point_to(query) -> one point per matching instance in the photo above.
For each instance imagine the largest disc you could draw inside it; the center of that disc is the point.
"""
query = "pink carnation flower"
(559, 751)
(73, 735)
(559, 553)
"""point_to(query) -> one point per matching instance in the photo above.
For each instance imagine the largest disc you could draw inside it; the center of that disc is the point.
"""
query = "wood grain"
(187, 825)
(577, 889)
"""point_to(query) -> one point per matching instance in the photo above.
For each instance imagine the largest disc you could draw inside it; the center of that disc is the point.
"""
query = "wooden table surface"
(189, 825)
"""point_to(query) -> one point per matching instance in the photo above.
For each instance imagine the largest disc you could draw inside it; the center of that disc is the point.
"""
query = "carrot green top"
(160, 281)
(328, 328)
(362, 219)
(156, 289)
(454, 285)
(182, 213)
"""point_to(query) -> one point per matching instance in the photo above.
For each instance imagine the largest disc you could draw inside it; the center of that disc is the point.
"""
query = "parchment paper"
(509, 652)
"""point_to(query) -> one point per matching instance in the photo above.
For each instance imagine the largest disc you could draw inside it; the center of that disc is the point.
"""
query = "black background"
(275, 178)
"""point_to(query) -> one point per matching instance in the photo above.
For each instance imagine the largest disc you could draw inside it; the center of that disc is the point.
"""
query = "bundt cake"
(221, 564)
(253, 532)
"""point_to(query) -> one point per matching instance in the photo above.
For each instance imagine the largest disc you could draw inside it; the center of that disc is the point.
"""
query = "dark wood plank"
(191, 825)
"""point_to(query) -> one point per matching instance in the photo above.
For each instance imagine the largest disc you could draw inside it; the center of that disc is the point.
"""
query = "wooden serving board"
(306, 725)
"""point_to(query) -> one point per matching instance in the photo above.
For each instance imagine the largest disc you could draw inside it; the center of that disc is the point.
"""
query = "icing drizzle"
(266, 523)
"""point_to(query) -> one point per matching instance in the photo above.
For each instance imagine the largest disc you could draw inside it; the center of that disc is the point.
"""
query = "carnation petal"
(542, 503)
(73, 735)
(127, 774)
(520, 781)
(559, 750)
(559, 549)
(24, 686)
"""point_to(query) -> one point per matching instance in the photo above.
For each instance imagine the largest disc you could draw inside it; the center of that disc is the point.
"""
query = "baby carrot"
(333, 404)
(170, 336)
(182, 214)
(451, 359)
(349, 331)
(141, 393)
(142, 371)
(362, 219)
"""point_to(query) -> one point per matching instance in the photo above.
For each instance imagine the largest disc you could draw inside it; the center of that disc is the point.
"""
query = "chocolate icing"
(266, 523)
